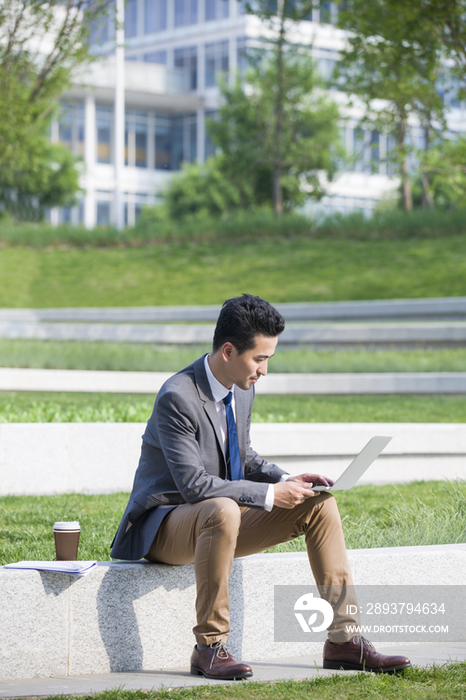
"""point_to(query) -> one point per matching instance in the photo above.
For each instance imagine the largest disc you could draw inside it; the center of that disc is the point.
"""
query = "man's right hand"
(288, 494)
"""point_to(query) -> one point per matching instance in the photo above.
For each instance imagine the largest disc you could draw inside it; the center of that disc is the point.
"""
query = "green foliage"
(49, 179)
(200, 192)
(445, 171)
(246, 132)
(154, 228)
(393, 53)
(35, 174)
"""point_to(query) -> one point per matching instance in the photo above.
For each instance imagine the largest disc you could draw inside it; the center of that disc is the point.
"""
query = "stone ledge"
(135, 616)
(392, 309)
(52, 458)
(275, 384)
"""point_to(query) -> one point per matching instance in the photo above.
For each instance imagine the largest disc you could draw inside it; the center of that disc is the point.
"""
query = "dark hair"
(242, 318)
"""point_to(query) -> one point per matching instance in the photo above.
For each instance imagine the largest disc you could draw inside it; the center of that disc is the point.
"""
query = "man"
(201, 494)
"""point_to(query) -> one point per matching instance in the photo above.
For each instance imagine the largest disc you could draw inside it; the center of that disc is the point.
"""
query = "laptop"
(358, 466)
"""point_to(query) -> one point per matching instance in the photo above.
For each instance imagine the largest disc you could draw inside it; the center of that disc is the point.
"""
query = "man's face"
(246, 369)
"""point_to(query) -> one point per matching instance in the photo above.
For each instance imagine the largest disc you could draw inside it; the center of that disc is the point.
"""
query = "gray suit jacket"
(183, 460)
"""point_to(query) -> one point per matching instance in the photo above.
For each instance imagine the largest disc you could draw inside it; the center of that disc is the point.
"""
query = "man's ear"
(228, 351)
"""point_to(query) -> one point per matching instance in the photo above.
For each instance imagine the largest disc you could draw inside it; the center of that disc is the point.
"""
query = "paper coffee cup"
(66, 536)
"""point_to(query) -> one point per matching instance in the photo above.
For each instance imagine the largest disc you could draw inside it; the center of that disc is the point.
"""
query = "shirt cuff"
(269, 499)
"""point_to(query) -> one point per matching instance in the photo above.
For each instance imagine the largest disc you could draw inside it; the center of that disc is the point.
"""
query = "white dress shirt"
(219, 392)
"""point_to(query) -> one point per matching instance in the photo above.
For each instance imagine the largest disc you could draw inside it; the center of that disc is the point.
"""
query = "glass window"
(375, 152)
(155, 19)
(131, 18)
(242, 61)
(209, 148)
(156, 57)
(358, 150)
(71, 127)
(216, 9)
(65, 126)
(326, 12)
(192, 136)
(163, 143)
(104, 119)
(216, 61)
(178, 143)
(99, 33)
(186, 58)
(185, 12)
(103, 213)
(140, 144)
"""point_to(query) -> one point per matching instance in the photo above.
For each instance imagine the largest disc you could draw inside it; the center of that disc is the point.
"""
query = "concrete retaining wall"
(47, 458)
(383, 335)
(441, 309)
(338, 383)
(138, 616)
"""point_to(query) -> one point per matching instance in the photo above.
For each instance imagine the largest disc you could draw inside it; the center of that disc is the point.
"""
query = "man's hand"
(293, 491)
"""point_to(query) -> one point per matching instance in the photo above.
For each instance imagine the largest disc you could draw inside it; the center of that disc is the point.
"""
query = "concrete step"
(317, 335)
(338, 383)
(373, 310)
(52, 458)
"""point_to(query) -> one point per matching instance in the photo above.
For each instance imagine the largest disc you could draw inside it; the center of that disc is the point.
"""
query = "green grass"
(446, 682)
(281, 269)
(402, 515)
(52, 354)
(56, 407)
(373, 516)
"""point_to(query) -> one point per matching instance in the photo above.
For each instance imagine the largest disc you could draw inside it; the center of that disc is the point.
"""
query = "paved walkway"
(292, 668)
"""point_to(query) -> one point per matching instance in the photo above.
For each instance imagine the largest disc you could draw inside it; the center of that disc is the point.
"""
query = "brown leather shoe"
(216, 662)
(359, 655)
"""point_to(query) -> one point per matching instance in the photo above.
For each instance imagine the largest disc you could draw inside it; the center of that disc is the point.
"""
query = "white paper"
(74, 568)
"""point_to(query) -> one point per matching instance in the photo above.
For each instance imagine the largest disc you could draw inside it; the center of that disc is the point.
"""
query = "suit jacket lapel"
(205, 395)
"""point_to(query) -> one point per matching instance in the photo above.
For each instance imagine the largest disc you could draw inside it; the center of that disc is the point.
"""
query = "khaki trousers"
(213, 532)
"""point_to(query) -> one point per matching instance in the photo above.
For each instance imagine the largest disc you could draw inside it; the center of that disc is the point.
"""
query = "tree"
(277, 148)
(289, 102)
(392, 62)
(41, 45)
(200, 191)
(445, 166)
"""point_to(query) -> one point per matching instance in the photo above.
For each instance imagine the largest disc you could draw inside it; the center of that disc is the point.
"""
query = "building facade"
(175, 51)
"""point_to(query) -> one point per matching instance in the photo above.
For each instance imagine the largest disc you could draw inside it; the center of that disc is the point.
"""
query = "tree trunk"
(277, 167)
(405, 181)
(427, 202)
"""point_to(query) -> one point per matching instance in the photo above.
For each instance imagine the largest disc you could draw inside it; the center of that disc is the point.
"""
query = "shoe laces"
(220, 651)
(364, 643)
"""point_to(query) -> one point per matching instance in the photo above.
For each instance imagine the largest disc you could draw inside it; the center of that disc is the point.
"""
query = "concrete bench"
(127, 616)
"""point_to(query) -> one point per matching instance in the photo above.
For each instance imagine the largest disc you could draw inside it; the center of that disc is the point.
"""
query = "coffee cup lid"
(72, 525)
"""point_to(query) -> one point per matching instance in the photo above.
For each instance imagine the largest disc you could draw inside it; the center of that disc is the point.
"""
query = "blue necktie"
(236, 472)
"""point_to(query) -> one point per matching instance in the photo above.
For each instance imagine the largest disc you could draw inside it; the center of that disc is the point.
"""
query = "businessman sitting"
(202, 494)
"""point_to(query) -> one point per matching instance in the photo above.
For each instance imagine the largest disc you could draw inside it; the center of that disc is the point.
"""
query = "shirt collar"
(218, 390)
